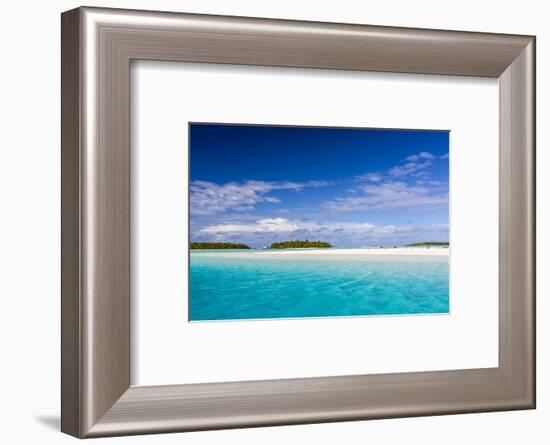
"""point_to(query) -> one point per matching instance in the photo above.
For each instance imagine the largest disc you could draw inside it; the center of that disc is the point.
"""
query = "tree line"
(430, 244)
(219, 246)
(300, 244)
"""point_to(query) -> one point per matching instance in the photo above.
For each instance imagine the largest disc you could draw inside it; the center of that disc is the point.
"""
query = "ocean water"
(232, 285)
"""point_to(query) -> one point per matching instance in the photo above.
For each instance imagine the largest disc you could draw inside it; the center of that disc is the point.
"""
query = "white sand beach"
(415, 251)
(382, 253)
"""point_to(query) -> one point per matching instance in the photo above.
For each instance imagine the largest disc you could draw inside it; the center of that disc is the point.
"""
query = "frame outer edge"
(529, 97)
(517, 348)
(533, 404)
(105, 186)
(529, 120)
(71, 381)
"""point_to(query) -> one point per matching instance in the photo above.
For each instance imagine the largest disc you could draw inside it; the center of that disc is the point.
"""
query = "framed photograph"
(242, 264)
(269, 222)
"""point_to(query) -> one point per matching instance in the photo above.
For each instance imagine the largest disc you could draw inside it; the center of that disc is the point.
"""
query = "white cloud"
(266, 225)
(415, 165)
(268, 230)
(445, 156)
(387, 195)
(421, 155)
(284, 225)
(389, 190)
(371, 177)
(209, 198)
(433, 183)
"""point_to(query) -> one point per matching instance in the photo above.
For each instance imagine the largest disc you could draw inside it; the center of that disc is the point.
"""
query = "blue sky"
(349, 186)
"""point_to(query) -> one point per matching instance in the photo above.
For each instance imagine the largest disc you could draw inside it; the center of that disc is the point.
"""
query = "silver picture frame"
(98, 46)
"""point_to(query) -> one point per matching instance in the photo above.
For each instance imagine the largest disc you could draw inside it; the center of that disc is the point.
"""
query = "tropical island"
(300, 244)
(219, 246)
(429, 244)
(297, 244)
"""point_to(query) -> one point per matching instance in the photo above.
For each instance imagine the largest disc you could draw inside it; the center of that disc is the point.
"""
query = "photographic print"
(297, 222)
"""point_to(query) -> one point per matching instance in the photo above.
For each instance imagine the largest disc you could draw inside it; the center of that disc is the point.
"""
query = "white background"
(167, 349)
(29, 223)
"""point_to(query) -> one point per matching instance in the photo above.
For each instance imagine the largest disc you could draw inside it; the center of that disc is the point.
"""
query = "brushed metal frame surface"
(97, 48)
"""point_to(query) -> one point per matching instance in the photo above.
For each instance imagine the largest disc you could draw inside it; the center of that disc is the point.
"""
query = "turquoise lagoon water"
(233, 285)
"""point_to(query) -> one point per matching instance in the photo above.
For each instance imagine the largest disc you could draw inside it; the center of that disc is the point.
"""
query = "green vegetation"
(299, 244)
(430, 244)
(219, 246)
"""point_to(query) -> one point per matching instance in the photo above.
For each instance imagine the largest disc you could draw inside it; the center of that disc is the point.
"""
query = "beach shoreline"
(339, 253)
